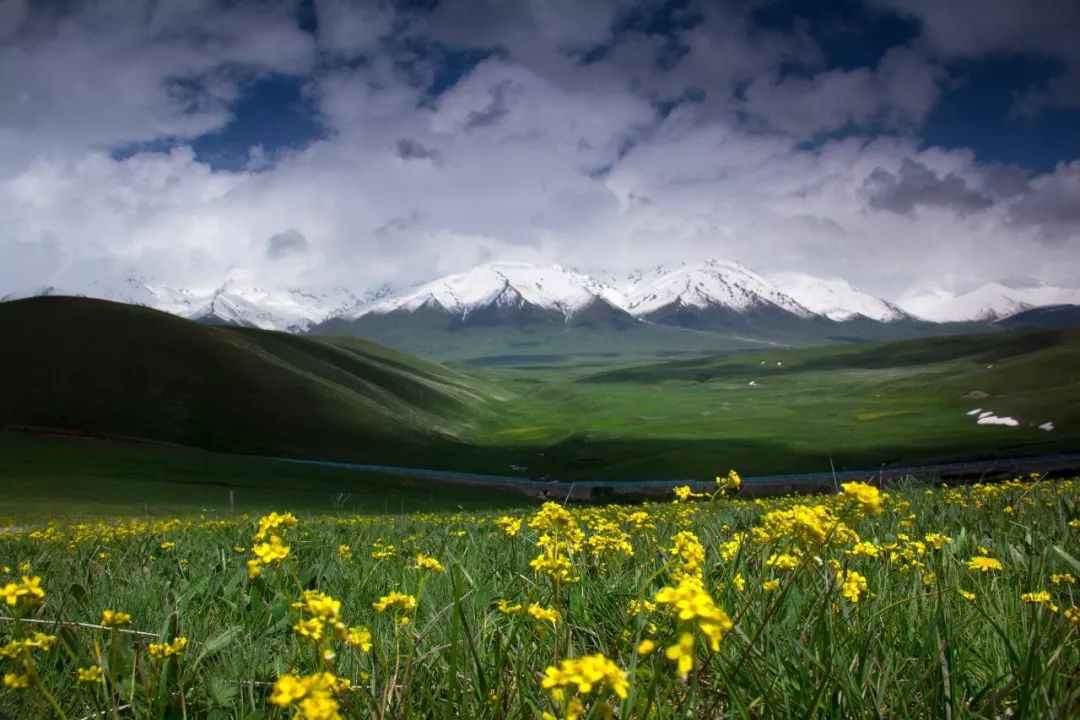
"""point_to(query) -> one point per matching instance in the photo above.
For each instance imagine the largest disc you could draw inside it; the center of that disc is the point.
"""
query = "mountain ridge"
(699, 295)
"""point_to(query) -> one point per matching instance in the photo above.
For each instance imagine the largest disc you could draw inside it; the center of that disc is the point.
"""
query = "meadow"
(125, 373)
(916, 602)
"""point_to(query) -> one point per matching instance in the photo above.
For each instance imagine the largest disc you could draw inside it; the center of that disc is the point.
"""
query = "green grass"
(909, 646)
(808, 409)
(49, 476)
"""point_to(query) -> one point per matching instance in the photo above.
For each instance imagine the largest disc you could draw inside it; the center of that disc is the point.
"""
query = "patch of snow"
(976, 411)
(1047, 426)
(751, 383)
(995, 420)
(985, 413)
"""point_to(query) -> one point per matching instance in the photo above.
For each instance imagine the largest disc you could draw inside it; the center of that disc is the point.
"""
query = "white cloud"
(102, 75)
(526, 157)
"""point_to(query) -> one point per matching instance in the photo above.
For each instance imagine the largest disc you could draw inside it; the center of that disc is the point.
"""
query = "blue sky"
(404, 139)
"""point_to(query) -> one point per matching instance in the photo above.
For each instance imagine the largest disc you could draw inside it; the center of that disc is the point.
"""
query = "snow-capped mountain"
(290, 309)
(701, 286)
(836, 299)
(710, 295)
(231, 303)
(989, 302)
(500, 285)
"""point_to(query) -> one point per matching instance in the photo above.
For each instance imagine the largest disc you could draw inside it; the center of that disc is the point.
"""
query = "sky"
(903, 145)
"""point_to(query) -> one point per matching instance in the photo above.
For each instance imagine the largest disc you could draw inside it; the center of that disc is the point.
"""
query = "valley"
(121, 373)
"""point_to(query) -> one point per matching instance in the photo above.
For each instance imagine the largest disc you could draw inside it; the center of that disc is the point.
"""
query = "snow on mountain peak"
(713, 283)
(985, 303)
(836, 299)
(504, 285)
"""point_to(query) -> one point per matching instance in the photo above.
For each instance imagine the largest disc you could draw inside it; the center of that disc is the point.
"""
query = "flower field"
(918, 602)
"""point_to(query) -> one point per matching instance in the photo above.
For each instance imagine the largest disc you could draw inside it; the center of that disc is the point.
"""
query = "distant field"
(795, 410)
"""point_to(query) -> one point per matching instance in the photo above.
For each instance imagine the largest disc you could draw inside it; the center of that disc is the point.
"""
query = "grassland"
(955, 603)
(794, 410)
(53, 475)
(118, 371)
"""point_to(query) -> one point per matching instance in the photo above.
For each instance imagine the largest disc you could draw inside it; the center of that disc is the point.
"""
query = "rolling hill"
(115, 369)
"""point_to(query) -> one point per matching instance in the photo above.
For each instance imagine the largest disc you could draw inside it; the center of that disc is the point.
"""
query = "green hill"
(107, 368)
(117, 370)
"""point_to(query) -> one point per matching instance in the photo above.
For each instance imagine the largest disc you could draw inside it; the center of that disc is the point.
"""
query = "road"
(597, 489)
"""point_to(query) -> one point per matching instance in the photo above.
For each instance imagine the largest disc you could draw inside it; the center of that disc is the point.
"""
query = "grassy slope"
(116, 369)
(854, 407)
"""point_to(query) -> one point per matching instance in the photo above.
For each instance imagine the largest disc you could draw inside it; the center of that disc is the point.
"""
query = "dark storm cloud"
(287, 242)
(409, 149)
(916, 185)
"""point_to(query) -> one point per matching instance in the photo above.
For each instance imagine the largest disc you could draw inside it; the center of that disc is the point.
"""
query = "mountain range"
(535, 306)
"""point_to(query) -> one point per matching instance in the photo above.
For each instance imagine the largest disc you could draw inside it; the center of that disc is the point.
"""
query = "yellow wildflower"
(310, 628)
(27, 593)
(867, 497)
(160, 651)
(938, 540)
(90, 674)
(684, 493)
(682, 653)
(426, 562)
(506, 608)
(359, 637)
(984, 563)
(645, 647)
(16, 682)
(113, 619)
(543, 614)
(690, 602)
(1062, 578)
(395, 600)
(586, 674)
(272, 522)
(508, 525)
(852, 585)
(1040, 596)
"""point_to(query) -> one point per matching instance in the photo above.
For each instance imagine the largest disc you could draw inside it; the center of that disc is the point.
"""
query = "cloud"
(977, 28)
(287, 242)
(915, 185)
(351, 28)
(527, 152)
(97, 75)
(408, 149)
(1052, 204)
(495, 110)
(896, 95)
